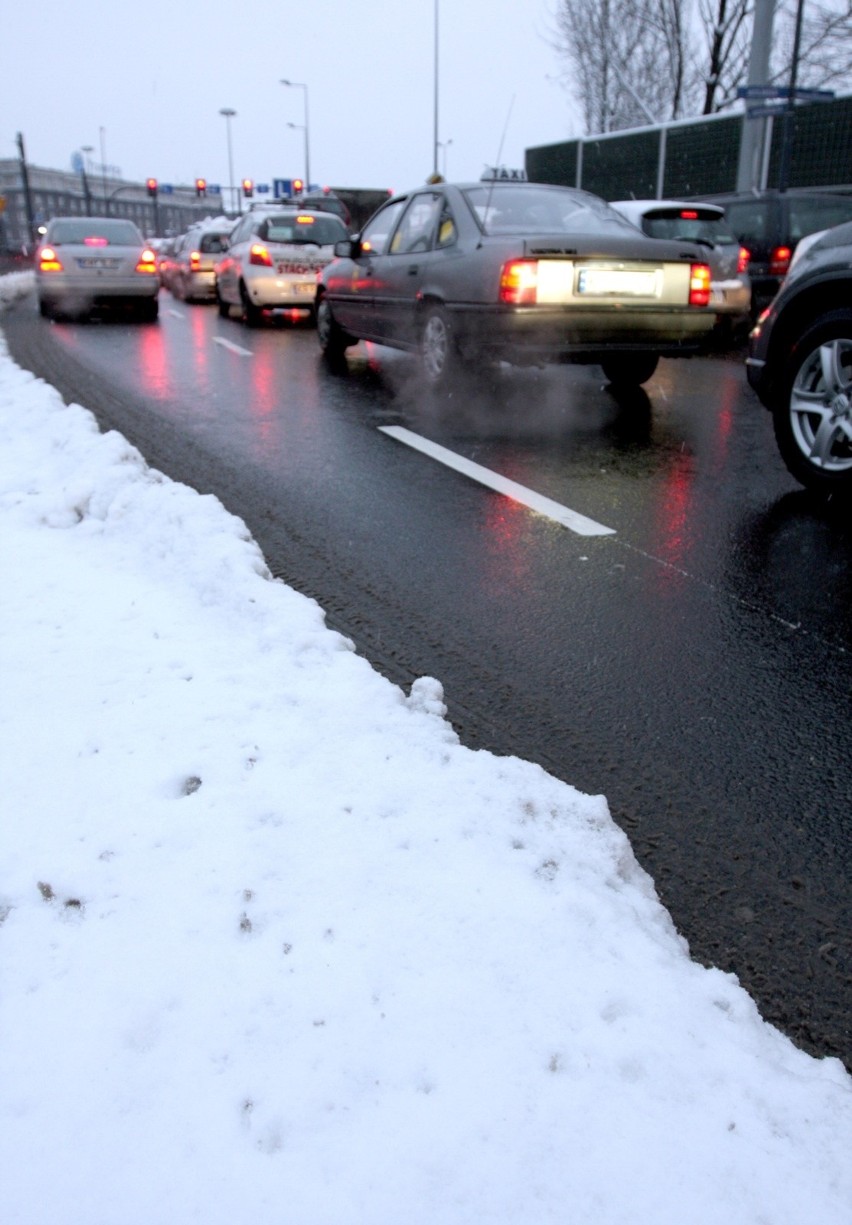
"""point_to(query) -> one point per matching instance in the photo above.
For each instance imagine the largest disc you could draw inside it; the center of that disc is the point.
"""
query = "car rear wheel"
(813, 417)
(149, 311)
(440, 359)
(251, 313)
(334, 341)
(629, 369)
(224, 308)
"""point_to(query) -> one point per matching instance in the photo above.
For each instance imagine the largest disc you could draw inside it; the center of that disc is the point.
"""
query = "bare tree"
(825, 51)
(726, 32)
(634, 62)
(627, 59)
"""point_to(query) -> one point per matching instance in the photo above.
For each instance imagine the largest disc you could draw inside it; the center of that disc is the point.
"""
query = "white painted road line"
(229, 344)
(501, 484)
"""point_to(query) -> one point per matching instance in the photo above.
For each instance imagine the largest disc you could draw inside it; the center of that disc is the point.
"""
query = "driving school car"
(273, 260)
(522, 272)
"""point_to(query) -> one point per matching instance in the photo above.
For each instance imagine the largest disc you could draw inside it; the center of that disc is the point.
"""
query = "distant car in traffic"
(84, 264)
(522, 272)
(274, 258)
(730, 286)
(800, 363)
(326, 202)
(192, 275)
(771, 223)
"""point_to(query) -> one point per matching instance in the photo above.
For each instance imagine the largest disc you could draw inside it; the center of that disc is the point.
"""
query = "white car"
(274, 259)
(730, 285)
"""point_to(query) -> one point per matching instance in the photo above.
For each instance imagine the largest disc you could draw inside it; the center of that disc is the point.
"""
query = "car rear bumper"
(536, 334)
(96, 289)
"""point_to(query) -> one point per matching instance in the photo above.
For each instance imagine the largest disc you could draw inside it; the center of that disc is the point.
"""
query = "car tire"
(224, 308)
(252, 315)
(333, 340)
(149, 311)
(440, 360)
(813, 414)
(45, 309)
(629, 369)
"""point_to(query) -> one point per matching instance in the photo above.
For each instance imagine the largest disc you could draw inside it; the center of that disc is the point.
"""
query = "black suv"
(770, 224)
(800, 364)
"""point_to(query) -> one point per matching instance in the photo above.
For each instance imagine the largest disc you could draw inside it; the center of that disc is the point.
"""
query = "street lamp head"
(227, 111)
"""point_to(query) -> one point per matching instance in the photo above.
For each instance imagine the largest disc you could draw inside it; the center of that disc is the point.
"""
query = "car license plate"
(98, 263)
(305, 288)
(618, 282)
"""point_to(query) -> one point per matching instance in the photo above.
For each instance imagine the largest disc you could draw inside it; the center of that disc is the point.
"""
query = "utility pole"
(754, 129)
(787, 120)
(25, 179)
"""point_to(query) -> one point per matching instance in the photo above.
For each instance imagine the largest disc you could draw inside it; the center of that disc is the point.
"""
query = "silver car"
(192, 276)
(730, 287)
(274, 258)
(86, 263)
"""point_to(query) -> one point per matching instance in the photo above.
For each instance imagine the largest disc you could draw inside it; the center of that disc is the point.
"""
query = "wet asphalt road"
(694, 666)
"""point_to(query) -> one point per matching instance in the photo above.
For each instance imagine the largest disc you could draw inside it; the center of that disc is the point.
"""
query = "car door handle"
(413, 270)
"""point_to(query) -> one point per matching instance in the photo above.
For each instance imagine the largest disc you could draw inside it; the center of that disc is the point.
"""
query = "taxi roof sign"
(503, 174)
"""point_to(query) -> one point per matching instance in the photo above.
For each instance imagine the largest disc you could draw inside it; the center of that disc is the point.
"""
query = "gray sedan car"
(514, 271)
(86, 263)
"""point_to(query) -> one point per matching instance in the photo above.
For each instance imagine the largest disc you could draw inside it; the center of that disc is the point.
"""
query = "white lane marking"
(511, 489)
(175, 314)
(229, 344)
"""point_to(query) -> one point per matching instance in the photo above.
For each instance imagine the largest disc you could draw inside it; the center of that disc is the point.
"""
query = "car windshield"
(107, 233)
(302, 228)
(532, 209)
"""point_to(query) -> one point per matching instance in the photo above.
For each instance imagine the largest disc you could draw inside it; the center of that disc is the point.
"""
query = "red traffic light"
(298, 187)
(151, 184)
(248, 188)
(201, 187)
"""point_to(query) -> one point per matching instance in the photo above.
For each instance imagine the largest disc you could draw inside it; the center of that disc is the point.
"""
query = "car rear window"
(531, 209)
(679, 224)
(116, 233)
(302, 228)
(807, 216)
(213, 244)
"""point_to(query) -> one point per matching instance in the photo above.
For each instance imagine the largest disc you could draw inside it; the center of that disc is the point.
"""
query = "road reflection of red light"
(264, 400)
(154, 363)
(506, 564)
(672, 515)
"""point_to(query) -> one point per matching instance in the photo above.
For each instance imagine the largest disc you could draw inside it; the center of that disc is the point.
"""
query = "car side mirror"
(348, 248)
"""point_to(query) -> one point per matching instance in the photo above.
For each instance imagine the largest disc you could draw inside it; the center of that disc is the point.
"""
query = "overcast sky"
(145, 84)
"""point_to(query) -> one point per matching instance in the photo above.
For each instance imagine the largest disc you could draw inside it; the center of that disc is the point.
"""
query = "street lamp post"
(86, 166)
(300, 127)
(229, 114)
(300, 85)
(445, 144)
(102, 132)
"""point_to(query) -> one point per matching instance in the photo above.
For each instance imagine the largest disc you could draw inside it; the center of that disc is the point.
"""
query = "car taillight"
(519, 282)
(195, 260)
(699, 285)
(259, 255)
(49, 261)
(147, 261)
(779, 261)
(743, 259)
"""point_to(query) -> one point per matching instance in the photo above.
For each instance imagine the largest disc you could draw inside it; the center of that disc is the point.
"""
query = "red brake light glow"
(779, 261)
(48, 261)
(699, 285)
(259, 255)
(743, 259)
(94, 241)
(688, 214)
(147, 261)
(519, 282)
(195, 260)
